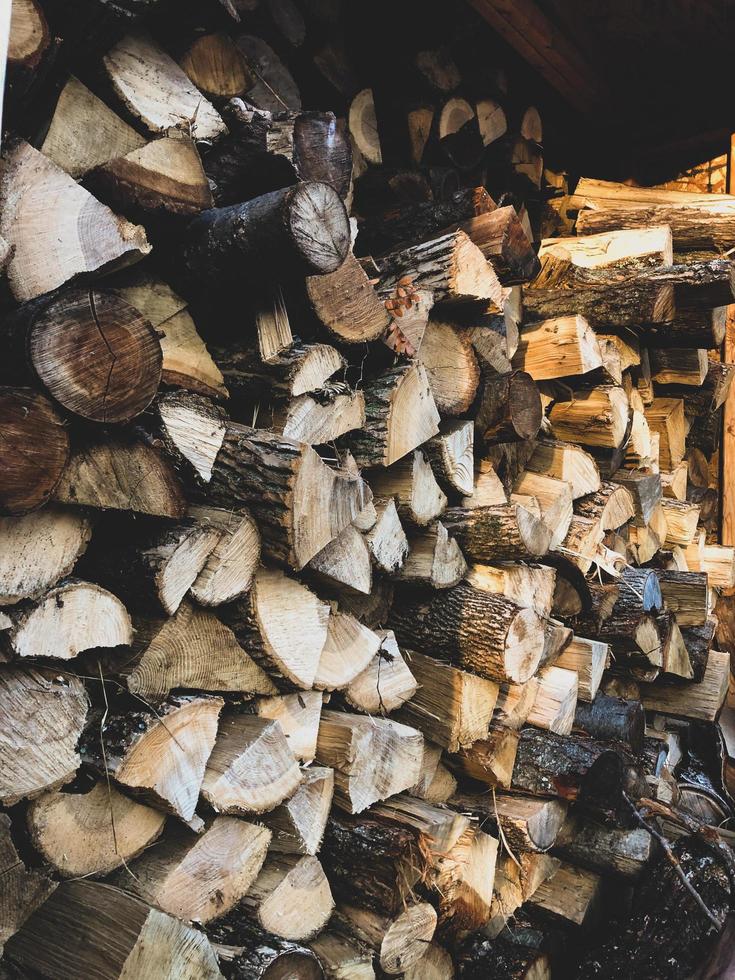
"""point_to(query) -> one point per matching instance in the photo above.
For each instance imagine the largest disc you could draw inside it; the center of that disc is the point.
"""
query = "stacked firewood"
(356, 592)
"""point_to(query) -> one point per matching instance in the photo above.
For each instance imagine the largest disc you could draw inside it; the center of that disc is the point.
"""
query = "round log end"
(319, 226)
(96, 355)
(35, 450)
(524, 402)
(524, 646)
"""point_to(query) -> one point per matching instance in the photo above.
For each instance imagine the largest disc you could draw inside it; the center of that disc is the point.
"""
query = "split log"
(582, 542)
(605, 850)
(450, 265)
(36, 447)
(346, 303)
(528, 824)
(80, 235)
(198, 878)
(490, 760)
(72, 617)
(364, 126)
(488, 490)
(24, 889)
(530, 586)
(451, 456)
(698, 641)
(679, 366)
(702, 701)
(39, 549)
(39, 750)
(153, 573)
(612, 719)
(298, 824)
(554, 498)
(509, 408)
(348, 649)
(565, 461)
(373, 758)
(292, 647)
(159, 756)
(251, 768)
(436, 784)
(451, 707)
(67, 934)
(666, 416)
(191, 650)
(230, 566)
(290, 898)
(117, 475)
(317, 146)
(93, 832)
(400, 941)
(299, 715)
(625, 304)
(604, 258)
(192, 429)
(501, 533)
(156, 91)
(571, 895)
(247, 952)
(556, 700)
(275, 88)
(386, 539)
(514, 704)
(719, 564)
(299, 369)
(500, 236)
(298, 230)
(611, 506)
(343, 958)
(681, 522)
(412, 482)
(558, 348)
(345, 561)
(163, 177)
(688, 328)
(400, 415)
(434, 559)
(307, 504)
(386, 683)
(645, 489)
(465, 883)
(697, 221)
(588, 658)
(435, 964)
(593, 418)
(481, 632)
(451, 367)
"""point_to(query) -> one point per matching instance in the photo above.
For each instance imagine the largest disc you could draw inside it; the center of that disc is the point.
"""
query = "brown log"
(36, 449)
(67, 936)
(24, 889)
(483, 959)
(247, 952)
(412, 482)
(346, 303)
(504, 532)
(451, 366)
(605, 850)
(491, 760)
(298, 824)
(399, 941)
(217, 67)
(478, 631)
(510, 408)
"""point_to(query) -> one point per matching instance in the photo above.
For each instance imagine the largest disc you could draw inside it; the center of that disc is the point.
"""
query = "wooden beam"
(527, 29)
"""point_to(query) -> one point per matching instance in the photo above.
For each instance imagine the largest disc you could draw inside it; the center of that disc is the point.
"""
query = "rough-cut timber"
(346, 303)
(479, 631)
(297, 230)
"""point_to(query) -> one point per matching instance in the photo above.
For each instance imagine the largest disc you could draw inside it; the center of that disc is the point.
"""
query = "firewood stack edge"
(358, 558)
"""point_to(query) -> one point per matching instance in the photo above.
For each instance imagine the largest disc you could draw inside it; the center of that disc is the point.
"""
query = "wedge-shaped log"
(685, 594)
(386, 683)
(451, 456)
(451, 366)
(79, 236)
(74, 831)
(593, 418)
(451, 266)
(290, 898)
(228, 570)
(509, 409)
(307, 503)
(434, 559)
(572, 895)
(666, 417)
(300, 368)
(251, 768)
(199, 877)
(347, 304)
(451, 707)
(290, 646)
(342, 955)
(528, 823)
(349, 648)
(490, 760)
(66, 935)
(192, 429)
(298, 715)
(411, 481)
(530, 586)
(30, 422)
(588, 658)
(298, 823)
(24, 889)
(612, 506)
(39, 750)
(373, 758)
(399, 941)
(158, 756)
(565, 461)
(558, 348)
(556, 700)
(191, 650)
(400, 414)
(346, 561)
(478, 631)
(386, 539)
(117, 475)
(702, 701)
(500, 236)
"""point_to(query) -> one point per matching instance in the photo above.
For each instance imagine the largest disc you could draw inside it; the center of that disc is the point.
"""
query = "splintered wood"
(358, 548)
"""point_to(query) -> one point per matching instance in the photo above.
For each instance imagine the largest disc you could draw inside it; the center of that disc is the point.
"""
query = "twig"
(674, 861)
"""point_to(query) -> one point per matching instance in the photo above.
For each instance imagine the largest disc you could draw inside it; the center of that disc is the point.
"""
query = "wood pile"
(357, 571)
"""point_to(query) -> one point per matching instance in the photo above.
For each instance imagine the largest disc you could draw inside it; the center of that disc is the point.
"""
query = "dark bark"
(250, 953)
(509, 408)
(645, 488)
(480, 958)
(35, 447)
(612, 719)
